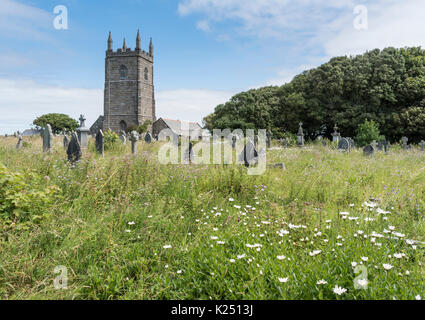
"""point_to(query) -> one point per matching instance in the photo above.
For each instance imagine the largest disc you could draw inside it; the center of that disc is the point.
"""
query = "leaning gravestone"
(148, 137)
(249, 154)
(19, 145)
(344, 145)
(123, 137)
(369, 150)
(134, 137)
(100, 143)
(74, 149)
(47, 138)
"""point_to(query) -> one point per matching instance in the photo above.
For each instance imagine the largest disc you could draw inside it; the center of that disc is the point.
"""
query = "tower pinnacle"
(124, 46)
(151, 48)
(110, 42)
(138, 40)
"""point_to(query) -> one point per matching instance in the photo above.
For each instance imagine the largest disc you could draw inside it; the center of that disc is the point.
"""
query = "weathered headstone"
(404, 141)
(74, 149)
(100, 142)
(300, 136)
(134, 137)
(123, 137)
(344, 144)
(47, 139)
(369, 150)
(83, 133)
(249, 154)
(422, 145)
(19, 144)
(148, 137)
(65, 142)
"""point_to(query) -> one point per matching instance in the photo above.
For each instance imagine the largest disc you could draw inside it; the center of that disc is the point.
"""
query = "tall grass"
(222, 229)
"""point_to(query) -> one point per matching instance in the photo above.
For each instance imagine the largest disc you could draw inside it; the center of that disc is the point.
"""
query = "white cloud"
(189, 104)
(19, 20)
(22, 101)
(203, 25)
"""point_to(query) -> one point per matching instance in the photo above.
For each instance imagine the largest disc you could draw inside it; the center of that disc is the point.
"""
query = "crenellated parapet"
(125, 51)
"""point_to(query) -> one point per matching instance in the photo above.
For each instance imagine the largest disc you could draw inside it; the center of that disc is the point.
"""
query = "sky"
(205, 51)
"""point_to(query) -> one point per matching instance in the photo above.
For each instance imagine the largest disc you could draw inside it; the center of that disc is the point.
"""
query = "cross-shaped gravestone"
(336, 135)
(83, 133)
(422, 145)
(82, 121)
(134, 137)
(100, 143)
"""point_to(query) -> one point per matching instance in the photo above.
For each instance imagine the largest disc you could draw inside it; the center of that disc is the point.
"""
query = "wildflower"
(231, 199)
(214, 238)
(131, 223)
(363, 283)
(365, 259)
(387, 266)
(179, 271)
(283, 280)
(399, 255)
(237, 207)
(232, 260)
(220, 242)
(241, 256)
(418, 297)
(344, 213)
(128, 231)
(339, 291)
(281, 257)
(315, 253)
(167, 246)
(320, 282)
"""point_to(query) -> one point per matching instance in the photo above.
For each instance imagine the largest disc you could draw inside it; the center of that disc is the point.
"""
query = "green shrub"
(367, 132)
(110, 139)
(22, 198)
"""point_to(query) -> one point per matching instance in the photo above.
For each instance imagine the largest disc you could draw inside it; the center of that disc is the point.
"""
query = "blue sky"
(205, 50)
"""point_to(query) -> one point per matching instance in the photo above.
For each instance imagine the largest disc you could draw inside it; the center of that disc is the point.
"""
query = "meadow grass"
(127, 227)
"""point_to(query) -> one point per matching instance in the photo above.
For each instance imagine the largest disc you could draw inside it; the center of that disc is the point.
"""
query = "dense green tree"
(386, 86)
(367, 132)
(58, 122)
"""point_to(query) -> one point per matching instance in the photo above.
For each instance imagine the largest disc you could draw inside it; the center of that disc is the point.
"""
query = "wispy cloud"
(23, 21)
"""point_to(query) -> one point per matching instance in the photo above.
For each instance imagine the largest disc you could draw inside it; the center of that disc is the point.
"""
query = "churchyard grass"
(126, 227)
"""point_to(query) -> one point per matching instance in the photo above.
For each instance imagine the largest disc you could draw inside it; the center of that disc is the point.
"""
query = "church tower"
(129, 91)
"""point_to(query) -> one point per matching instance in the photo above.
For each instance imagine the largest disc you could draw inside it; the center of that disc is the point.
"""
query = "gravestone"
(369, 150)
(249, 154)
(422, 145)
(381, 145)
(100, 142)
(148, 137)
(374, 144)
(352, 143)
(404, 141)
(300, 136)
(65, 142)
(19, 145)
(269, 139)
(324, 143)
(189, 156)
(83, 133)
(123, 137)
(74, 149)
(134, 137)
(286, 142)
(234, 140)
(47, 139)
(344, 145)
(336, 136)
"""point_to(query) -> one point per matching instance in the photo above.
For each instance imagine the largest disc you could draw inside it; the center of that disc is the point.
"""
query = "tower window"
(123, 72)
(146, 73)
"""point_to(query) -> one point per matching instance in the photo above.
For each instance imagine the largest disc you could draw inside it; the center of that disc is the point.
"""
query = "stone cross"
(134, 137)
(100, 143)
(47, 138)
(83, 133)
(74, 149)
(336, 135)
(422, 145)
(300, 136)
(19, 145)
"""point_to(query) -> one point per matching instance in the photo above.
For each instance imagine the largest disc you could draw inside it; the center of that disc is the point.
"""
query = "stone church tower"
(129, 90)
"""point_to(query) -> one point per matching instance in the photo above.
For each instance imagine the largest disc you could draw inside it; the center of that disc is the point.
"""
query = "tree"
(367, 132)
(58, 122)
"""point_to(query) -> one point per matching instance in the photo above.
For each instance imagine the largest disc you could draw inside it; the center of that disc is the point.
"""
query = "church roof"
(183, 128)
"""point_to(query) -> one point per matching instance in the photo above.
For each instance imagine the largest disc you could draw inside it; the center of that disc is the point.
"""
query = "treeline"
(386, 86)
